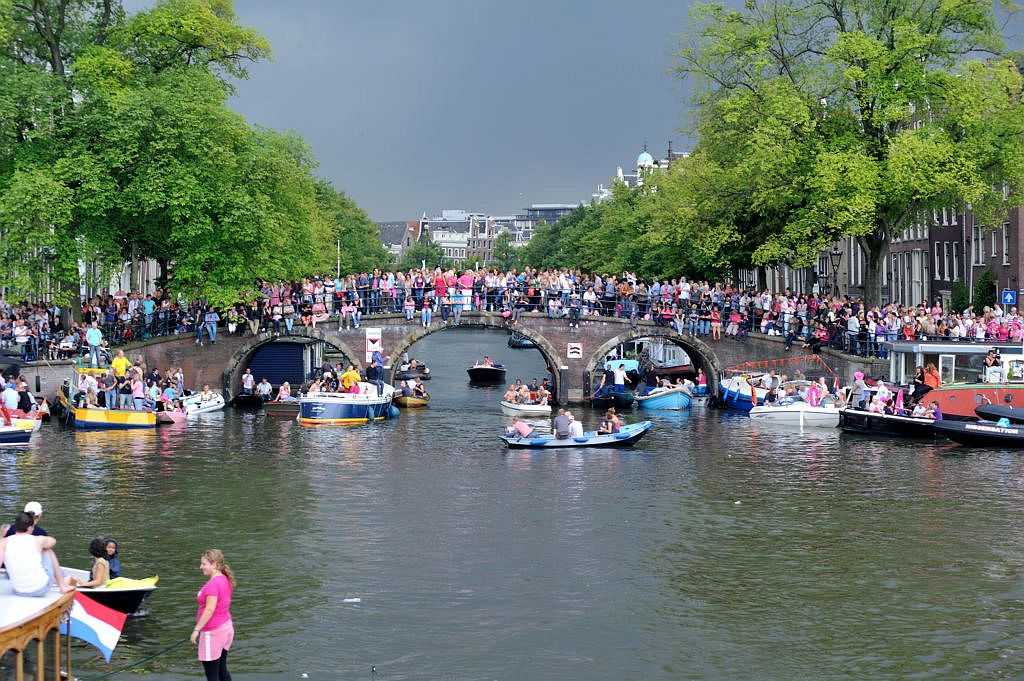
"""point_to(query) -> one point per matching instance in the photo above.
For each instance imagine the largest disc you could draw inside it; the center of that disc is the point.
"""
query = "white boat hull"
(513, 409)
(797, 415)
(194, 405)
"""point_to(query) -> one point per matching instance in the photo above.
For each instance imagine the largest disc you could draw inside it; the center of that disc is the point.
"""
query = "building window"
(945, 261)
(956, 260)
(977, 247)
(1006, 243)
(935, 269)
(994, 247)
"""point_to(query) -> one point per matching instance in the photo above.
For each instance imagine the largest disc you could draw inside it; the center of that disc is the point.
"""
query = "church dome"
(644, 160)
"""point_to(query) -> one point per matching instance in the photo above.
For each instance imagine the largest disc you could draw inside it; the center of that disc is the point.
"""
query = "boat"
(247, 401)
(518, 341)
(412, 401)
(523, 409)
(27, 626)
(627, 435)
(994, 412)
(620, 399)
(120, 593)
(286, 408)
(486, 374)
(194, 404)
(15, 436)
(983, 433)
(964, 381)
(98, 418)
(887, 425)
(665, 398)
(735, 392)
(796, 412)
(408, 372)
(323, 408)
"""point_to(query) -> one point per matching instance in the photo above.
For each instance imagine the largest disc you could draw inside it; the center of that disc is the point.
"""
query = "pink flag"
(899, 401)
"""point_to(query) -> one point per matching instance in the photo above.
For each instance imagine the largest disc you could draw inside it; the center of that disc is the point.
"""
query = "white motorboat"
(796, 412)
(194, 404)
(514, 409)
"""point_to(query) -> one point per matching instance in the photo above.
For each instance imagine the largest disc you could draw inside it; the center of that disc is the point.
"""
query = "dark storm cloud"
(481, 105)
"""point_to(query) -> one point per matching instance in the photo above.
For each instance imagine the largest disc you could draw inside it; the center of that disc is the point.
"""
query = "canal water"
(714, 549)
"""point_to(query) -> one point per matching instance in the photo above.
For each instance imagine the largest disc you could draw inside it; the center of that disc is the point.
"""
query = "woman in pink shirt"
(214, 631)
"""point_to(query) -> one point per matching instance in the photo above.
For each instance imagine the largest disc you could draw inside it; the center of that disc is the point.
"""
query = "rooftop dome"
(644, 160)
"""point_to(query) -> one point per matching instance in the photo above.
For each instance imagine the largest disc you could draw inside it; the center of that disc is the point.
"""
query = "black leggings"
(217, 670)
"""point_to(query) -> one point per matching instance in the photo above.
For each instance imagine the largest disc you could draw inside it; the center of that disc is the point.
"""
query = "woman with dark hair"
(100, 573)
(113, 560)
(214, 631)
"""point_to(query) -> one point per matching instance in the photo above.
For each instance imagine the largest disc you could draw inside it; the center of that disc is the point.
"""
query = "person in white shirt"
(575, 427)
(30, 560)
(9, 397)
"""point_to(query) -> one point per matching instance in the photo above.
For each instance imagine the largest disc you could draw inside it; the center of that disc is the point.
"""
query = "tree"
(985, 294)
(823, 119)
(504, 255)
(960, 298)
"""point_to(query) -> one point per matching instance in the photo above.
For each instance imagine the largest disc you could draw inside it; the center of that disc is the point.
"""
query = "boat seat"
(581, 439)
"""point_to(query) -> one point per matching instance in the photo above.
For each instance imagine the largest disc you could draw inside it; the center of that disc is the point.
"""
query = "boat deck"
(15, 609)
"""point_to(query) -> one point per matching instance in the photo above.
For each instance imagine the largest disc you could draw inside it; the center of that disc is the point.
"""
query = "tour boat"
(323, 408)
(627, 435)
(965, 384)
(887, 425)
(517, 409)
(411, 401)
(668, 359)
(285, 408)
(487, 374)
(98, 418)
(172, 416)
(796, 412)
(194, 404)
(665, 398)
(983, 433)
(120, 593)
(735, 392)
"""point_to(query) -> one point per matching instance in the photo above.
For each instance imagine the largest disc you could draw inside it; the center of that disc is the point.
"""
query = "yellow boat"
(95, 418)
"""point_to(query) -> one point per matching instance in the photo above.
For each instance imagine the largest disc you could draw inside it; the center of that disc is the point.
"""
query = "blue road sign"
(1009, 297)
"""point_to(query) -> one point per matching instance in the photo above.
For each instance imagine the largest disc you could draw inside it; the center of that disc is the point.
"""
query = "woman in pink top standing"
(214, 631)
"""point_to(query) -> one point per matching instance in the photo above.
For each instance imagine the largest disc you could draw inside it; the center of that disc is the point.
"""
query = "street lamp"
(835, 256)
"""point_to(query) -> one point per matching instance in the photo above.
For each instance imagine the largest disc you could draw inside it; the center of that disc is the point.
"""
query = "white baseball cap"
(34, 507)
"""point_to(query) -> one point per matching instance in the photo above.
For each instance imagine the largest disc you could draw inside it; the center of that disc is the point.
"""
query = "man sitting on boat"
(561, 425)
(519, 428)
(30, 560)
(405, 389)
(575, 427)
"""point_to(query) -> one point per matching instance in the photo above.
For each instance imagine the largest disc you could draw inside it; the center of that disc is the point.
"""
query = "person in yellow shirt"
(120, 364)
(350, 378)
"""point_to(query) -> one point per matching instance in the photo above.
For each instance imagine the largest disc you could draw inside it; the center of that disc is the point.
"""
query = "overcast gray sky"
(483, 105)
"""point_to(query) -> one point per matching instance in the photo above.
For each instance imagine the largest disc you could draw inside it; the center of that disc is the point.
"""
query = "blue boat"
(735, 393)
(665, 398)
(626, 436)
(316, 409)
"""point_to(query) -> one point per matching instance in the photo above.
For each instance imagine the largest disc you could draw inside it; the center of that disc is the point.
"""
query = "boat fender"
(538, 443)
(581, 439)
(622, 436)
(393, 412)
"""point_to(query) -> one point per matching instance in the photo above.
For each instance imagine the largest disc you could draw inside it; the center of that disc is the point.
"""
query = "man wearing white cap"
(35, 509)
(575, 427)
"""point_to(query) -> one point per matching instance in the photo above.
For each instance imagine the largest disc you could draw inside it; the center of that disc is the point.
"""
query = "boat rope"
(136, 663)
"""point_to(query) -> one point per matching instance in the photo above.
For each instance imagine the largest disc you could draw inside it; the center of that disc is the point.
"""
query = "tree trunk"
(133, 270)
(876, 250)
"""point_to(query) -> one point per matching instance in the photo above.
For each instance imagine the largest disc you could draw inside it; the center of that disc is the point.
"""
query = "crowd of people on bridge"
(439, 297)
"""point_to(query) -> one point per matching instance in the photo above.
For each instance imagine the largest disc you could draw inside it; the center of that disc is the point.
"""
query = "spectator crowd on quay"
(440, 296)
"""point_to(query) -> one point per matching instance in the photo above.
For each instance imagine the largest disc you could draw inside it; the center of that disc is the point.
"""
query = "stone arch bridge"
(570, 354)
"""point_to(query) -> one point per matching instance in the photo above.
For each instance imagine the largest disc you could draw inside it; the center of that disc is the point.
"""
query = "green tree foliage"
(819, 120)
(424, 251)
(985, 294)
(960, 298)
(504, 255)
(116, 143)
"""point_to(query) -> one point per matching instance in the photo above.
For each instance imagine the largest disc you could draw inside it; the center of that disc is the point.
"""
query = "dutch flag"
(96, 624)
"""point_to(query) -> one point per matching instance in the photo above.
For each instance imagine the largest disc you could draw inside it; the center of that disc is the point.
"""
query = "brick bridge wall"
(222, 364)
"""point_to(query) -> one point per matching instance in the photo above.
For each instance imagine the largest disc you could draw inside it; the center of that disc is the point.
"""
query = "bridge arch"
(701, 354)
(240, 358)
(552, 358)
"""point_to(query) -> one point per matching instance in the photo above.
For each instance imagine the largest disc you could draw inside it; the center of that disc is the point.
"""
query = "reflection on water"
(716, 548)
